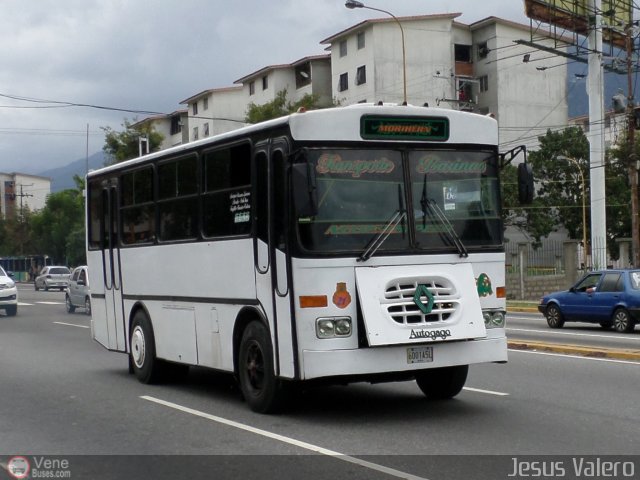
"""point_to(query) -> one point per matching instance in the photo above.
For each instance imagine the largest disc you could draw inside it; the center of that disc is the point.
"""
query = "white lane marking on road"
(575, 334)
(290, 441)
(489, 392)
(50, 303)
(21, 304)
(71, 325)
(576, 357)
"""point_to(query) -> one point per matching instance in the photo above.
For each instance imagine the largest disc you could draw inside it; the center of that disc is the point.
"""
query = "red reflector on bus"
(313, 301)
(501, 292)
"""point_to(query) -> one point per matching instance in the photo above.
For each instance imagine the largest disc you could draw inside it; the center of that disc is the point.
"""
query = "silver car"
(53, 277)
(78, 293)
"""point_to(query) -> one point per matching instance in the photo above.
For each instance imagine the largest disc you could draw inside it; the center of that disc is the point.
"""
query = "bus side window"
(261, 202)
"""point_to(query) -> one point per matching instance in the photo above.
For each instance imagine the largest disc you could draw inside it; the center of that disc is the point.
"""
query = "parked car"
(53, 277)
(608, 297)
(78, 294)
(8, 293)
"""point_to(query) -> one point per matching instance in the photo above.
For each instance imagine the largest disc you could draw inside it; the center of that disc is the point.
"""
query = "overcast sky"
(149, 55)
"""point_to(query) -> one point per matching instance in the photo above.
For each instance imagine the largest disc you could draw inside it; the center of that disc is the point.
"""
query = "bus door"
(112, 278)
(272, 271)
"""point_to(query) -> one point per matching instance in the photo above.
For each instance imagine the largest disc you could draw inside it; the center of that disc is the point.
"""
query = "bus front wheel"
(442, 383)
(256, 375)
(143, 359)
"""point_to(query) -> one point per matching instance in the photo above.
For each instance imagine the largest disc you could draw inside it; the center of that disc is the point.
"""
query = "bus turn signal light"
(501, 292)
(313, 301)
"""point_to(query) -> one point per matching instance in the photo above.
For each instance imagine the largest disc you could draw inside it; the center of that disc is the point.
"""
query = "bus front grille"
(438, 302)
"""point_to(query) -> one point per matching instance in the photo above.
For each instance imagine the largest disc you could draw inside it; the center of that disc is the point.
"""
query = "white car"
(53, 277)
(8, 294)
(78, 293)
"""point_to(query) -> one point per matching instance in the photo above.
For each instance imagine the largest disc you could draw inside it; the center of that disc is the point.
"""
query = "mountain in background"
(62, 177)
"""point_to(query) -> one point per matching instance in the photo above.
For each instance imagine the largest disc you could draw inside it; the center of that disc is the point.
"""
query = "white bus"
(362, 243)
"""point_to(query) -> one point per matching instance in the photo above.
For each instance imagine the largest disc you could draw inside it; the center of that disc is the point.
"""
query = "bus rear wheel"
(143, 361)
(442, 383)
(261, 389)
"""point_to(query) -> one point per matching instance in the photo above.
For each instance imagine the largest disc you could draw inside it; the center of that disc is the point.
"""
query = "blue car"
(608, 297)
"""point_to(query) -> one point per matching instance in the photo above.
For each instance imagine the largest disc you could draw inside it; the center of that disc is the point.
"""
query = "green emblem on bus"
(422, 291)
(404, 128)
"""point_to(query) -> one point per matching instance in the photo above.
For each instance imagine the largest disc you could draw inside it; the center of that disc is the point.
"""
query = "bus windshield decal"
(432, 164)
(334, 164)
(404, 128)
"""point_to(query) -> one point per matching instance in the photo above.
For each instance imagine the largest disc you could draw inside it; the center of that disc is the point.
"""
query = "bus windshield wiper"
(449, 230)
(376, 242)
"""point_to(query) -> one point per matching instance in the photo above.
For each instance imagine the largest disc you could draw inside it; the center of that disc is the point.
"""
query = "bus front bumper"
(380, 360)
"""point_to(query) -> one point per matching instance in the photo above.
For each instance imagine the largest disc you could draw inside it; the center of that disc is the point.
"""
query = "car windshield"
(59, 271)
(453, 202)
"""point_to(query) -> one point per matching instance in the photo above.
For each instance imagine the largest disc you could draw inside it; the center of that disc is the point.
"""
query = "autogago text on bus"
(358, 243)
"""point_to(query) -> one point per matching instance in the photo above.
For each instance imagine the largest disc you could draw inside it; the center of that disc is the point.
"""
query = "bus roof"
(344, 124)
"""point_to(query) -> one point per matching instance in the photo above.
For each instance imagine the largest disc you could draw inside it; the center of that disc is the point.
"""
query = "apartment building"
(476, 67)
(20, 191)
(448, 64)
(309, 75)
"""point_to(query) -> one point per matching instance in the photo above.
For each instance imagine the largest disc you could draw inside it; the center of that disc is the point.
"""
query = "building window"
(195, 108)
(462, 53)
(361, 75)
(205, 103)
(360, 40)
(252, 88)
(483, 50)
(265, 82)
(195, 133)
(343, 48)
(205, 130)
(484, 83)
(176, 125)
(343, 84)
(303, 75)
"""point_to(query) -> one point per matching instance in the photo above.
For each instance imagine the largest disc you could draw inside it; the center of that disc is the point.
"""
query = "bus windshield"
(452, 198)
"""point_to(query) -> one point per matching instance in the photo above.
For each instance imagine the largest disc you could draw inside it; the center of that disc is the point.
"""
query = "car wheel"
(258, 383)
(35, 285)
(622, 321)
(70, 307)
(554, 316)
(442, 383)
(143, 350)
(11, 310)
(87, 306)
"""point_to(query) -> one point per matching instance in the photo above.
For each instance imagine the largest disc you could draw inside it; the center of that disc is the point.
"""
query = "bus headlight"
(333, 327)
(494, 318)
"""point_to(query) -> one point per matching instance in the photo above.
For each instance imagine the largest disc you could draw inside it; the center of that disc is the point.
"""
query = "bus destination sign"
(373, 127)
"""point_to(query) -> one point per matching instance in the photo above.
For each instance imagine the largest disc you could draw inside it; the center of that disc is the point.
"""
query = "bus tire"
(256, 375)
(442, 383)
(146, 366)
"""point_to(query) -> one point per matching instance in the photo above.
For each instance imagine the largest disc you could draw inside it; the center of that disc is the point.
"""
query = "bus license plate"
(419, 354)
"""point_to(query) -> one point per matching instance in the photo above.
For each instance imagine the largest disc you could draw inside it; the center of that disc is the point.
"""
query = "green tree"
(58, 229)
(124, 145)
(279, 107)
(559, 192)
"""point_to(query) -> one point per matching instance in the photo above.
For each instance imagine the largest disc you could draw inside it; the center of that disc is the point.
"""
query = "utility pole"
(22, 195)
(632, 161)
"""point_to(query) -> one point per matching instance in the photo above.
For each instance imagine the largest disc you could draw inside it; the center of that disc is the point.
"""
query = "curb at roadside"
(610, 353)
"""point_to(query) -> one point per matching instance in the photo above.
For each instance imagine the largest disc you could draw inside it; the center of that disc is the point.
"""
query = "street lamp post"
(354, 4)
(584, 205)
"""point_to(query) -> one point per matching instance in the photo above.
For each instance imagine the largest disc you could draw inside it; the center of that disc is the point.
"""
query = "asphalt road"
(64, 397)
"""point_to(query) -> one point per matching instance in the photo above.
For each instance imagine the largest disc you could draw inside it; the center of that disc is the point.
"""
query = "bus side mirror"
(525, 184)
(305, 193)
